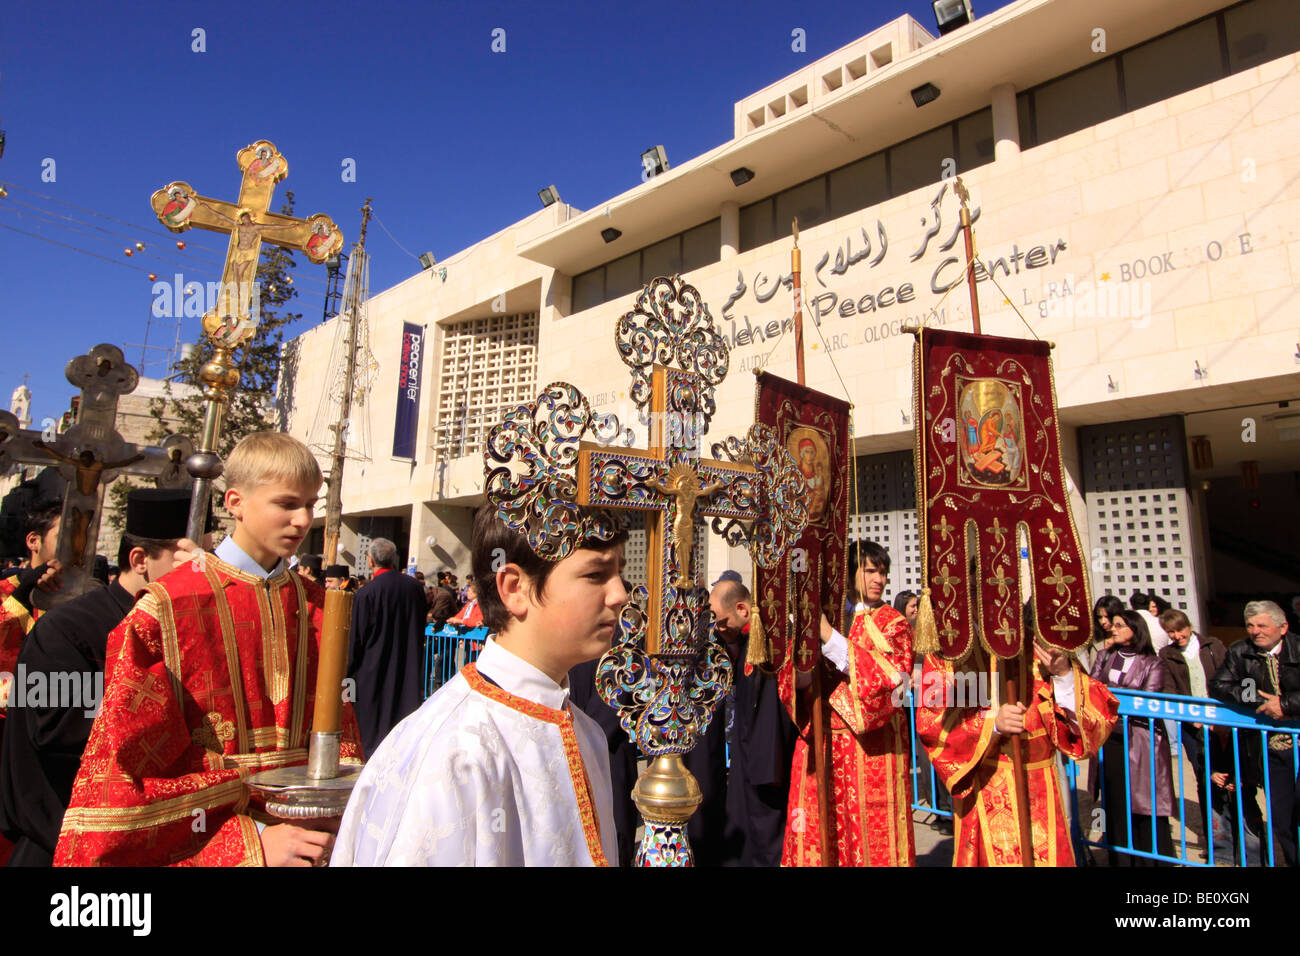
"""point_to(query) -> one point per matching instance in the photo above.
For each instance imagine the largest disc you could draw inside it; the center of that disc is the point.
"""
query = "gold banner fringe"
(759, 653)
(926, 638)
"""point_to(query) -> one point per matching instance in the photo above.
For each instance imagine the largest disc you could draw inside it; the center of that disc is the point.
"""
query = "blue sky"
(451, 139)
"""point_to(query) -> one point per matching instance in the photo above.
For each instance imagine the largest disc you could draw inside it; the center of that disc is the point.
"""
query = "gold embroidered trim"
(158, 603)
(275, 652)
(14, 608)
(572, 753)
(297, 718)
(120, 819)
(253, 855)
(237, 690)
(266, 759)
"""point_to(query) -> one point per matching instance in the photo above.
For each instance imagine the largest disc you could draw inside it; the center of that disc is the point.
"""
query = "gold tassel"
(926, 639)
(760, 651)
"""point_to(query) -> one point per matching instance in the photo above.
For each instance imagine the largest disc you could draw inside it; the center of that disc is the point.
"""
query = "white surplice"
(488, 772)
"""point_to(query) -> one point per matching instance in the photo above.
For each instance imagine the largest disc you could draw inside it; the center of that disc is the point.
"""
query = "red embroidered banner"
(989, 482)
(814, 428)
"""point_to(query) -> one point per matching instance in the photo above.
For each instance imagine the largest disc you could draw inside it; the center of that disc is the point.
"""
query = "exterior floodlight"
(742, 175)
(549, 196)
(951, 14)
(610, 234)
(653, 162)
(427, 261)
(925, 94)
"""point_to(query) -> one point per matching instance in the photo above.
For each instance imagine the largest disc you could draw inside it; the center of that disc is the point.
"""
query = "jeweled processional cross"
(667, 670)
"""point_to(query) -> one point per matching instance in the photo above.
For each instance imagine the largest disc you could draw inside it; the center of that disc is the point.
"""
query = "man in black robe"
(760, 741)
(387, 650)
(309, 566)
(48, 727)
(622, 755)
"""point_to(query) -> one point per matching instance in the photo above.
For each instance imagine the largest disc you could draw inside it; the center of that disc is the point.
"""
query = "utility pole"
(334, 496)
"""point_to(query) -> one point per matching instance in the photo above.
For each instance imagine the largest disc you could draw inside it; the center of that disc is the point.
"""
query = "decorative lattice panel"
(634, 552)
(1139, 512)
(488, 366)
(884, 511)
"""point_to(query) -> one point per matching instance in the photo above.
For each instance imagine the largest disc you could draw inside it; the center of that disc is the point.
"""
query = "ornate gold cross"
(249, 222)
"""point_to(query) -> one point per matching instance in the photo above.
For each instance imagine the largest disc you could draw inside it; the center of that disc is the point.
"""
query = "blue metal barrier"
(1250, 847)
(1241, 723)
(936, 794)
(447, 650)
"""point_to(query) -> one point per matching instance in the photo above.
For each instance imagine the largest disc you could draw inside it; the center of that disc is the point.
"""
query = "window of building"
(858, 185)
(1188, 57)
(702, 245)
(756, 225)
(1077, 100)
(681, 253)
(588, 289)
(920, 160)
(661, 259)
(1260, 31)
(807, 201)
(975, 140)
(623, 276)
(488, 366)
(1168, 65)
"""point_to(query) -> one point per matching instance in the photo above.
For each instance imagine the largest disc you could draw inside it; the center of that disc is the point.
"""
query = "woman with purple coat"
(1128, 661)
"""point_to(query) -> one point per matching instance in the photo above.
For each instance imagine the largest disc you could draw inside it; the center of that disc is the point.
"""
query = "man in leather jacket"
(1264, 671)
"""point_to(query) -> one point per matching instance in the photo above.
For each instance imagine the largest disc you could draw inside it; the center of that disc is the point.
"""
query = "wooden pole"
(332, 663)
(334, 493)
(1011, 684)
(968, 236)
(1010, 696)
(820, 704)
(795, 269)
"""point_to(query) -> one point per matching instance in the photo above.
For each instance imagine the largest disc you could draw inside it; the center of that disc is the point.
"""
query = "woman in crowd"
(1128, 661)
(1107, 607)
(905, 603)
(1158, 605)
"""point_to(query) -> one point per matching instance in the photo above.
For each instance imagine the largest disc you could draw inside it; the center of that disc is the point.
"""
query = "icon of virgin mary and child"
(992, 446)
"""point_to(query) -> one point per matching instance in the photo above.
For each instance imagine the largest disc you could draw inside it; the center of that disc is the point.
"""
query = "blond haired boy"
(208, 680)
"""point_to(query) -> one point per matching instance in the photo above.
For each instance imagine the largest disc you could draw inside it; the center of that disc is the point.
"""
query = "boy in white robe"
(496, 768)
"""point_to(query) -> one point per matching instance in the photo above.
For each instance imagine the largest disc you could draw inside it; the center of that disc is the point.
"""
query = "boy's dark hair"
(152, 547)
(41, 518)
(1139, 600)
(493, 546)
(869, 551)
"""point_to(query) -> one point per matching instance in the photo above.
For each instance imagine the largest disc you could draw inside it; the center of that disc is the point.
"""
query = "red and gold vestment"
(209, 679)
(975, 765)
(871, 789)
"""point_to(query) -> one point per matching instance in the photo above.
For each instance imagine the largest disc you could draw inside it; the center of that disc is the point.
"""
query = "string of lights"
(138, 247)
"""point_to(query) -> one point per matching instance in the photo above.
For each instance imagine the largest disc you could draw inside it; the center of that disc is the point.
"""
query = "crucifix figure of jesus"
(683, 486)
(90, 455)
